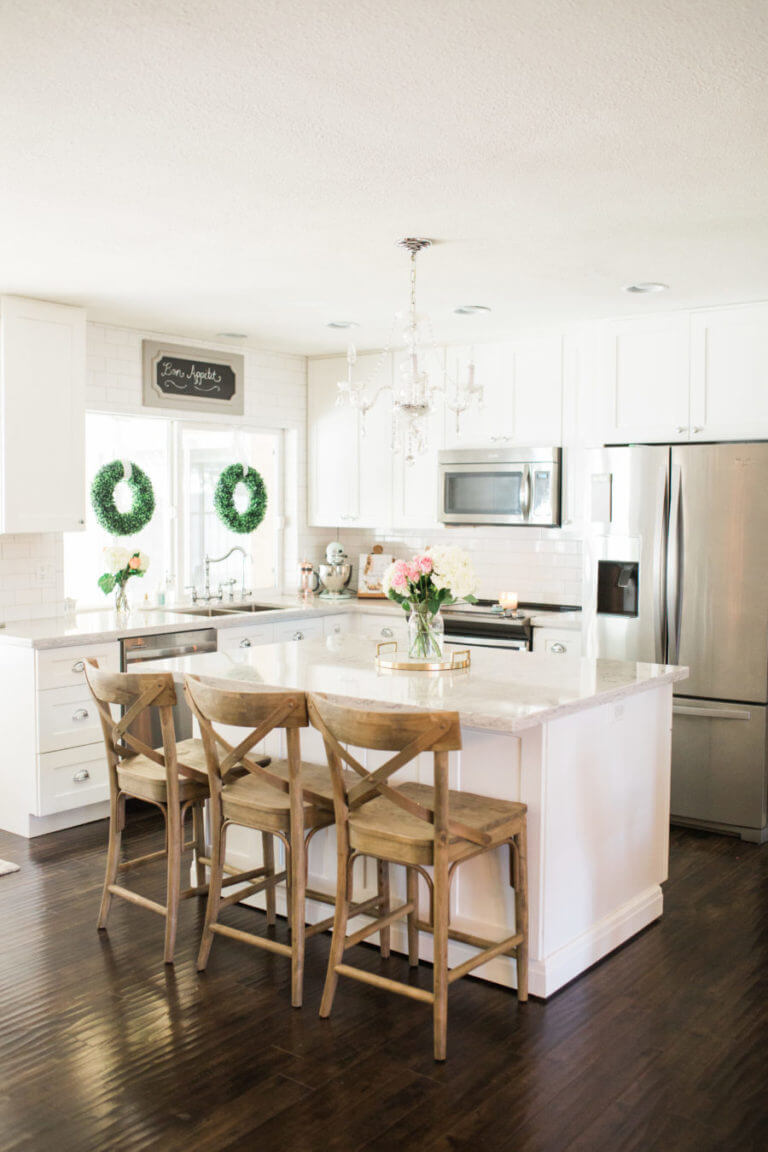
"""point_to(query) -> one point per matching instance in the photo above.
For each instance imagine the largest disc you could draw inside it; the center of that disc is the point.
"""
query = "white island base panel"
(596, 783)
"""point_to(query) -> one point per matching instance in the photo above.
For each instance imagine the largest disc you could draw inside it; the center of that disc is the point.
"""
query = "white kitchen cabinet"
(299, 629)
(42, 416)
(250, 636)
(522, 383)
(645, 368)
(557, 641)
(349, 457)
(729, 373)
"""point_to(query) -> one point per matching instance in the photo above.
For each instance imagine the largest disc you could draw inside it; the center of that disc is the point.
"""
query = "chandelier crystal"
(422, 379)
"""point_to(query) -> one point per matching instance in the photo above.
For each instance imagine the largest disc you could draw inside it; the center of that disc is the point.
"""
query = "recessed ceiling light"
(471, 309)
(342, 324)
(232, 335)
(643, 286)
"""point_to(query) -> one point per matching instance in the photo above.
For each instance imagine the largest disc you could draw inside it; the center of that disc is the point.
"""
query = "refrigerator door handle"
(674, 567)
(659, 604)
(712, 713)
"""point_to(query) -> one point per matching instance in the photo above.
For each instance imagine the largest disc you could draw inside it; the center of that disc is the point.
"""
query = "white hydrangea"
(116, 558)
(453, 570)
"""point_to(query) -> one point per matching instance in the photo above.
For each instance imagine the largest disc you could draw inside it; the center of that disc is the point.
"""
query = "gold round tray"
(400, 662)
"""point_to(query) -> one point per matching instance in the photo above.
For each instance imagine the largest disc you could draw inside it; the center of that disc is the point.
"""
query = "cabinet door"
(42, 416)
(299, 629)
(374, 508)
(232, 639)
(729, 373)
(522, 384)
(333, 447)
(646, 365)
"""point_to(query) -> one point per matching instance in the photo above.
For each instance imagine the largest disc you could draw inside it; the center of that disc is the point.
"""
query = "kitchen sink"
(231, 610)
(253, 608)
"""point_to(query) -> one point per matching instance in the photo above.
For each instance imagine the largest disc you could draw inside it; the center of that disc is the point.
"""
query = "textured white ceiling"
(199, 166)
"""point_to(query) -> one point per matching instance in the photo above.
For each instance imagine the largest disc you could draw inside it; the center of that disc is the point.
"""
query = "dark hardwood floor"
(663, 1046)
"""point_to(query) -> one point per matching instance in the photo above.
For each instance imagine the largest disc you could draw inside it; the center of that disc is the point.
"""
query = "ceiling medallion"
(422, 380)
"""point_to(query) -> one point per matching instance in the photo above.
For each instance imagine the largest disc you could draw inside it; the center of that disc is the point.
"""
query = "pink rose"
(134, 563)
(413, 572)
(425, 564)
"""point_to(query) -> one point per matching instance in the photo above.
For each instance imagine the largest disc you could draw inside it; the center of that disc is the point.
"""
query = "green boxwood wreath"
(103, 499)
(223, 498)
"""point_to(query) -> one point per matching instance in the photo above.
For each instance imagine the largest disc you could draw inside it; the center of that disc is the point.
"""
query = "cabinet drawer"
(557, 643)
(232, 639)
(299, 629)
(72, 778)
(64, 667)
(66, 718)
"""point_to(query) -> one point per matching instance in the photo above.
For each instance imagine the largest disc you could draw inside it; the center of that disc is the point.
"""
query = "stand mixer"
(335, 572)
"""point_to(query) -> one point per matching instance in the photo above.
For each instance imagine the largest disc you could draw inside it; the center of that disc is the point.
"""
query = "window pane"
(205, 453)
(146, 443)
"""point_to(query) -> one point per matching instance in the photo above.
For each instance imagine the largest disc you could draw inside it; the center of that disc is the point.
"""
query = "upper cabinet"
(645, 378)
(42, 416)
(729, 373)
(349, 458)
(522, 383)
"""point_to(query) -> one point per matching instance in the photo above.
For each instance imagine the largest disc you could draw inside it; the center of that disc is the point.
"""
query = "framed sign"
(194, 379)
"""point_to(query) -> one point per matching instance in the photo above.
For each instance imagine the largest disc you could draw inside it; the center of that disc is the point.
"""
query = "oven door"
(514, 644)
(499, 493)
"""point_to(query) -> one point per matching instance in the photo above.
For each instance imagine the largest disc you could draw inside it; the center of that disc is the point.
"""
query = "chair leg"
(521, 911)
(173, 881)
(268, 852)
(218, 850)
(382, 869)
(198, 827)
(440, 922)
(296, 914)
(116, 825)
(340, 915)
(412, 897)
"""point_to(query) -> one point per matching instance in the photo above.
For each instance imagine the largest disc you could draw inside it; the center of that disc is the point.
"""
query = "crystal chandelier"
(422, 378)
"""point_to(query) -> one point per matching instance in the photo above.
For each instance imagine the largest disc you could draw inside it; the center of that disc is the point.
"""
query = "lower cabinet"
(299, 629)
(233, 639)
(71, 778)
(557, 641)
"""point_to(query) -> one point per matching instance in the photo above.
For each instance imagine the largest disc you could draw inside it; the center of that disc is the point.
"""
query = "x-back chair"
(173, 778)
(418, 826)
(290, 799)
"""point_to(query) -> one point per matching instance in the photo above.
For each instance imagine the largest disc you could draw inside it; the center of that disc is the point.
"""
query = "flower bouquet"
(121, 565)
(422, 586)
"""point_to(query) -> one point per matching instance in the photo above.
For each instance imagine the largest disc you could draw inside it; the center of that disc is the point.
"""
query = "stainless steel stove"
(486, 625)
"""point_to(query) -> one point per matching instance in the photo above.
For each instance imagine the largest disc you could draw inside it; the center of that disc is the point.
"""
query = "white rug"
(6, 867)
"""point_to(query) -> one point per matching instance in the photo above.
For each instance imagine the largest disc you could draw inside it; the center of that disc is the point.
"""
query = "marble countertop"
(502, 691)
(568, 621)
(102, 627)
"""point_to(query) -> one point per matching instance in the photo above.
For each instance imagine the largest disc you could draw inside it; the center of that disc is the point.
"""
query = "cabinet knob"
(81, 776)
(698, 428)
(557, 648)
(245, 642)
(78, 666)
(81, 714)
(387, 632)
(681, 429)
(337, 627)
(500, 439)
(298, 635)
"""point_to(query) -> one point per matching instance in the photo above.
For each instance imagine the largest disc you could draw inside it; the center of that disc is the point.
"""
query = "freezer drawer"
(719, 762)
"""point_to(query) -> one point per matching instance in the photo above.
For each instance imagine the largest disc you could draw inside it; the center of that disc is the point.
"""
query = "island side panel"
(605, 829)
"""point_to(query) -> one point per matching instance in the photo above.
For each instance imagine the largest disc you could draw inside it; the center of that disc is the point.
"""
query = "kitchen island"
(584, 743)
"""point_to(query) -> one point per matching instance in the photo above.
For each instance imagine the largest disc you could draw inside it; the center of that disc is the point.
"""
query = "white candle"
(508, 600)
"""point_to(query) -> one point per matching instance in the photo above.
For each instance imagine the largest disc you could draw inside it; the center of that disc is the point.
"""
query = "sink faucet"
(207, 594)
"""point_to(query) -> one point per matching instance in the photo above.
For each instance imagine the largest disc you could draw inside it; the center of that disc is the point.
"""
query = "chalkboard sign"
(192, 378)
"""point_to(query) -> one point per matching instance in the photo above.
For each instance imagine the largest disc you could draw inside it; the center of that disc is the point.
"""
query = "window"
(183, 461)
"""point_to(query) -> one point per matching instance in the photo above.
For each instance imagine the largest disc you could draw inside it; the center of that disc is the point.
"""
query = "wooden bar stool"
(291, 800)
(173, 778)
(419, 826)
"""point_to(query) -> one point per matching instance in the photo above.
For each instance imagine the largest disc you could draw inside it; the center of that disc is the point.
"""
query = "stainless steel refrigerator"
(676, 561)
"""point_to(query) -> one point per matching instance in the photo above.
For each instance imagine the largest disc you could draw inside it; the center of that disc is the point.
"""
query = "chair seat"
(383, 829)
(144, 779)
(255, 803)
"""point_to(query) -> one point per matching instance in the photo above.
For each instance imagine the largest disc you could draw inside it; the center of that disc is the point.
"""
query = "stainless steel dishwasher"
(136, 652)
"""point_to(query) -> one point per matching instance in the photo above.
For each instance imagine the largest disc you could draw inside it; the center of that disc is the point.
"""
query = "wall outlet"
(43, 576)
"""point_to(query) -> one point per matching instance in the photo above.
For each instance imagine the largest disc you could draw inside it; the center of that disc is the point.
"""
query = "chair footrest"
(124, 865)
(137, 898)
(377, 925)
(483, 957)
(249, 938)
(383, 982)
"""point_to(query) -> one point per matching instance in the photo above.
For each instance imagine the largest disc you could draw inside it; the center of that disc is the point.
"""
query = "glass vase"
(425, 633)
(122, 607)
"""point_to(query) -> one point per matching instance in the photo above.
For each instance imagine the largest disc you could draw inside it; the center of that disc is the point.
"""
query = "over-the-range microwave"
(504, 486)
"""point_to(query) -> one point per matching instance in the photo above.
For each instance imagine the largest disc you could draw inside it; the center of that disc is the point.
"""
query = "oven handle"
(517, 643)
(525, 502)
